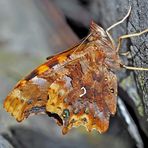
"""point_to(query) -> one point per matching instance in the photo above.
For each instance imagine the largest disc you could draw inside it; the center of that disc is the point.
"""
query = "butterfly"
(77, 87)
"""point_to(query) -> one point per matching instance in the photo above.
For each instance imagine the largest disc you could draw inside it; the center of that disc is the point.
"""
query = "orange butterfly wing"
(82, 96)
(76, 87)
(30, 95)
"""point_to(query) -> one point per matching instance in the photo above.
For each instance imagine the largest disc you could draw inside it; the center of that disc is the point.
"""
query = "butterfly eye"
(66, 113)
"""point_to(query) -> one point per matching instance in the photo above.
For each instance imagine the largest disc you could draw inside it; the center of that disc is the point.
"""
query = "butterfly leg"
(129, 36)
(134, 68)
(119, 45)
(127, 53)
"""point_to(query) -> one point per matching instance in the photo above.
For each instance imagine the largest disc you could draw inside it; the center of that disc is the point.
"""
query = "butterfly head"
(98, 33)
(97, 29)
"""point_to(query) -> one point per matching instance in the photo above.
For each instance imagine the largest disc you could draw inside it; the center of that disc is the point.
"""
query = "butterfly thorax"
(103, 44)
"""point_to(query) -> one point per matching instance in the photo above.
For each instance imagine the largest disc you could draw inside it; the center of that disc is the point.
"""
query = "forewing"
(30, 95)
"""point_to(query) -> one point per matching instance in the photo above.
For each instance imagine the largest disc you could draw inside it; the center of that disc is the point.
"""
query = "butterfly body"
(76, 87)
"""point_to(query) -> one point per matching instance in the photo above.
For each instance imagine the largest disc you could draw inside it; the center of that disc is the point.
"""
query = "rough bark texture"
(138, 45)
(4, 143)
(139, 48)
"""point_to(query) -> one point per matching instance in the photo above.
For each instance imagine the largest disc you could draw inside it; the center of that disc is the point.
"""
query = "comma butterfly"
(76, 87)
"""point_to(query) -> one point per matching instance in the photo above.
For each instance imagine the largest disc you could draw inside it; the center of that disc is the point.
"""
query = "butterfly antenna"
(82, 42)
(119, 22)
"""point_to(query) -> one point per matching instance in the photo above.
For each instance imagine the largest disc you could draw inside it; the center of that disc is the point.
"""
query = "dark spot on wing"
(112, 90)
(30, 101)
(49, 57)
(35, 109)
(55, 116)
(52, 62)
(96, 77)
(31, 75)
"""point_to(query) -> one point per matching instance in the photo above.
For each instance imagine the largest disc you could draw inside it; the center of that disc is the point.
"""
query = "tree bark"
(110, 12)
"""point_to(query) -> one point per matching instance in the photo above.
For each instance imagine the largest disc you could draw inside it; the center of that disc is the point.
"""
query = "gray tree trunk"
(111, 11)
